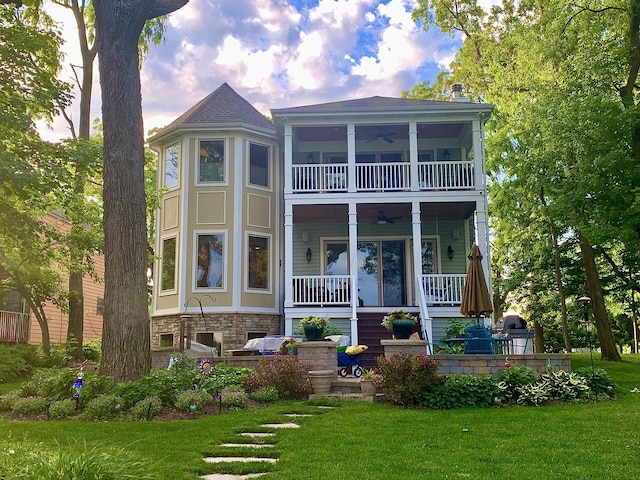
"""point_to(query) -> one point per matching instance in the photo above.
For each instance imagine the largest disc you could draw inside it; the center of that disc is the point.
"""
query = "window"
(100, 306)
(166, 340)
(211, 339)
(258, 165)
(211, 165)
(428, 256)
(210, 261)
(425, 156)
(390, 157)
(168, 277)
(171, 158)
(258, 262)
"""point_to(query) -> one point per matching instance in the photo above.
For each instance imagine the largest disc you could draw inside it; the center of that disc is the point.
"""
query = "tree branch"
(158, 8)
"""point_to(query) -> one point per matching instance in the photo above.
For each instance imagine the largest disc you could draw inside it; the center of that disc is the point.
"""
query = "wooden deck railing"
(14, 327)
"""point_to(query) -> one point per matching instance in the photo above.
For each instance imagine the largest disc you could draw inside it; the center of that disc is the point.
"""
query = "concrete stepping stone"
(239, 459)
(280, 425)
(227, 476)
(249, 445)
(295, 415)
(257, 434)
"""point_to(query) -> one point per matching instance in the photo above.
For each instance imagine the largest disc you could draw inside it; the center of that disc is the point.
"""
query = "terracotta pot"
(367, 387)
(321, 381)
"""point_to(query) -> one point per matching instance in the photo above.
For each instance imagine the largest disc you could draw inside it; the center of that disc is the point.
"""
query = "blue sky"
(278, 54)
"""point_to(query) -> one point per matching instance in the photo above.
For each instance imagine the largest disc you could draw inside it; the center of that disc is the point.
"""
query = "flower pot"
(321, 381)
(313, 333)
(402, 329)
(367, 387)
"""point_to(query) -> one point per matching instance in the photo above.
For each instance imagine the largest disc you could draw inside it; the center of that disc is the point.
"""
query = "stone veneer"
(319, 356)
(492, 364)
(234, 327)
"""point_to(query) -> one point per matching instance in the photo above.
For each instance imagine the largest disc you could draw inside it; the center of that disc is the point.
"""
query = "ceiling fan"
(383, 136)
(383, 219)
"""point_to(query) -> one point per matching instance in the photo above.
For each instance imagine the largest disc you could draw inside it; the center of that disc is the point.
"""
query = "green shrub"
(405, 377)
(57, 357)
(461, 391)
(511, 380)
(103, 407)
(223, 376)
(92, 350)
(234, 398)
(555, 386)
(192, 400)
(146, 408)
(283, 372)
(29, 406)
(50, 383)
(265, 395)
(7, 400)
(16, 362)
(599, 381)
(62, 409)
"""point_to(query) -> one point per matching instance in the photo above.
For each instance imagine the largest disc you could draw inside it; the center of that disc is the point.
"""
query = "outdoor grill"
(516, 327)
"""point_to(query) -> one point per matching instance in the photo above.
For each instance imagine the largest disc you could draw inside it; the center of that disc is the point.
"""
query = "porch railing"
(322, 290)
(382, 176)
(458, 175)
(442, 288)
(320, 178)
(14, 327)
(446, 175)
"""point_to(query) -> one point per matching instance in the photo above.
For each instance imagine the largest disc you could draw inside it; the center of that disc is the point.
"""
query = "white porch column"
(417, 271)
(351, 157)
(288, 158)
(353, 268)
(413, 155)
(478, 155)
(288, 265)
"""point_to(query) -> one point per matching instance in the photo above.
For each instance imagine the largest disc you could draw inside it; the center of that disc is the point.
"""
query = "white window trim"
(224, 183)
(174, 290)
(269, 289)
(270, 149)
(225, 262)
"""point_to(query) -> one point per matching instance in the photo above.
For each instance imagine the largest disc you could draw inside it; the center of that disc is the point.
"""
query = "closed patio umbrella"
(475, 296)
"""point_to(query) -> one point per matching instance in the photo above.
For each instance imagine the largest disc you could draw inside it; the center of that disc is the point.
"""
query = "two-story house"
(345, 209)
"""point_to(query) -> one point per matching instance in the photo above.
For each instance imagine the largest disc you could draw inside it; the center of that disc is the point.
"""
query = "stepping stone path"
(256, 435)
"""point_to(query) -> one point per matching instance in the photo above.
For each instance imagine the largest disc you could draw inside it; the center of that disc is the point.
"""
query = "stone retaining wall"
(492, 364)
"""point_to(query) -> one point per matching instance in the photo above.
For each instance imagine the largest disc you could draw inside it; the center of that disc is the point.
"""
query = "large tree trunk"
(608, 350)
(126, 349)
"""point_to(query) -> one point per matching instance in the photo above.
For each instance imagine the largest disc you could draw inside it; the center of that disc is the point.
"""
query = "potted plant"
(289, 347)
(367, 382)
(313, 327)
(401, 323)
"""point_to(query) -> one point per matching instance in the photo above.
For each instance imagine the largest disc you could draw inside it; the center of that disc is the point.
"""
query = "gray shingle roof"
(361, 104)
(222, 107)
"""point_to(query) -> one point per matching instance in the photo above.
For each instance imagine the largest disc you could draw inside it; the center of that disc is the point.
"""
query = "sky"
(277, 54)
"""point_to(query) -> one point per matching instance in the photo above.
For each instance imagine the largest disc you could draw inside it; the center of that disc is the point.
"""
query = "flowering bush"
(283, 372)
(399, 314)
(234, 398)
(318, 322)
(191, 400)
(404, 377)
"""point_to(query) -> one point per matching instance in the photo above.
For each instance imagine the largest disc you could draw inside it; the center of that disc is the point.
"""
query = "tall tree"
(557, 73)
(125, 340)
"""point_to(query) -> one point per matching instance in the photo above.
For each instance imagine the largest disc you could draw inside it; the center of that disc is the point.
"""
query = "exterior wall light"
(309, 255)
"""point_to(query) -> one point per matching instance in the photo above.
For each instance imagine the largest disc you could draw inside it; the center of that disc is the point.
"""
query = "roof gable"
(223, 107)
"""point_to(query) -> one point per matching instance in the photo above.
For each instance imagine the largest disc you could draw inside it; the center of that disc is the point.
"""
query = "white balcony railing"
(382, 176)
(320, 178)
(322, 290)
(443, 289)
(458, 175)
(446, 175)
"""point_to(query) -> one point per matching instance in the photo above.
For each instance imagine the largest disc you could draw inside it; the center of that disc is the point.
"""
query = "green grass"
(376, 441)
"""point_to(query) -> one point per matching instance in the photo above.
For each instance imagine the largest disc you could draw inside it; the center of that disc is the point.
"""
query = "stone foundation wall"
(492, 364)
(319, 356)
(233, 326)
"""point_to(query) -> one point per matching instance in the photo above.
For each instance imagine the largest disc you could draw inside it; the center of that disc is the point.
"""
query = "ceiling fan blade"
(371, 140)
(388, 140)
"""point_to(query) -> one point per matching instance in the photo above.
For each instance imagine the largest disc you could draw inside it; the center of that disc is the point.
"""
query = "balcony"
(15, 327)
(383, 177)
(443, 289)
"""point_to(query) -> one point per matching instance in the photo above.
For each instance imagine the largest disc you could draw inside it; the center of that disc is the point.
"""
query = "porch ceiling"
(367, 132)
(369, 212)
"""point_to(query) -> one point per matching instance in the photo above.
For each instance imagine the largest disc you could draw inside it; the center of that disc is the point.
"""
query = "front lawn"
(377, 441)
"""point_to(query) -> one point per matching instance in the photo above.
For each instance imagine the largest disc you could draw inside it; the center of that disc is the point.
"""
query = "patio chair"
(478, 340)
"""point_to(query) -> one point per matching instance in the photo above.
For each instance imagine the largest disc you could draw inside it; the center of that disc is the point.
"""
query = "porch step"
(346, 385)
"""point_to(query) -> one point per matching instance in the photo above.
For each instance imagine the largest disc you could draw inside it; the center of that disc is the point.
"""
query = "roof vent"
(456, 93)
